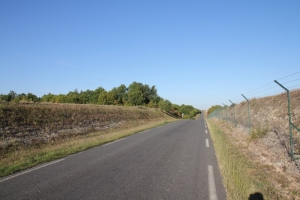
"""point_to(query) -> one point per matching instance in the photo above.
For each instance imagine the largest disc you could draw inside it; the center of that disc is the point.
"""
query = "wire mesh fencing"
(273, 107)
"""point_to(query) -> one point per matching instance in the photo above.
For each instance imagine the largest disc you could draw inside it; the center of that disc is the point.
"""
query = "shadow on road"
(256, 196)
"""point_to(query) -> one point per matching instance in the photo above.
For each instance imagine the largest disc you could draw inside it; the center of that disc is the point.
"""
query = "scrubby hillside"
(24, 125)
(268, 143)
(270, 114)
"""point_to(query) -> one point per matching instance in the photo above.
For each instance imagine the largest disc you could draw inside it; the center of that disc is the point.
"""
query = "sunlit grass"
(241, 176)
(29, 157)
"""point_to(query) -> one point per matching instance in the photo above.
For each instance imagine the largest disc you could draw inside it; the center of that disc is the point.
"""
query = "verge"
(243, 177)
(30, 157)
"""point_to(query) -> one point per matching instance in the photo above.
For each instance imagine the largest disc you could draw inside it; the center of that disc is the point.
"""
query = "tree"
(107, 98)
(95, 95)
(32, 97)
(73, 97)
(121, 93)
(135, 94)
(213, 108)
(85, 97)
(165, 105)
(139, 94)
(47, 97)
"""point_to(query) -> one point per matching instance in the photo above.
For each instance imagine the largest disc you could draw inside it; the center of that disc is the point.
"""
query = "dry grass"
(25, 144)
(241, 175)
(270, 113)
(259, 163)
(28, 125)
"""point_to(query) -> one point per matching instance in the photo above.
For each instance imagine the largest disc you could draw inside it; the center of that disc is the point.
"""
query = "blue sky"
(199, 53)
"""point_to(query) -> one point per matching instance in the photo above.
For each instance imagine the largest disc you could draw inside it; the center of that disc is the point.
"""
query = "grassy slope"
(113, 123)
(244, 174)
(271, 114)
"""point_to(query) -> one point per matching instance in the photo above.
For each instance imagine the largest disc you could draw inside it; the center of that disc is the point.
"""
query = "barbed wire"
(272, 93)
(295, 86)
(265, 90)
(258, 88)
(289, 75)
(291, 81)
(251, 94)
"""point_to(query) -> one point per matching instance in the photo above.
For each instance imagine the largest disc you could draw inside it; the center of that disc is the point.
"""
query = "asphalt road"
(174, 161)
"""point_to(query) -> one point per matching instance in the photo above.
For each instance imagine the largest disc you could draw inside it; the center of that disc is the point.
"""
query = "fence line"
(230, 114)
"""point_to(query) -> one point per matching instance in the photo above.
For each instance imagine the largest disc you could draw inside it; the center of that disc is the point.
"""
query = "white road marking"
(114, 142)
(206, 131)
(143, 131)
(30, 170)
(207, 144)
(211, 184)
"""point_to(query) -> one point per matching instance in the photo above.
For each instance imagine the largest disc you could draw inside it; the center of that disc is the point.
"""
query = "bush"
(258, 132)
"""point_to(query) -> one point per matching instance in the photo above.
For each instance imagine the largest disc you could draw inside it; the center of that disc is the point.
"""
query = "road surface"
(174, 161)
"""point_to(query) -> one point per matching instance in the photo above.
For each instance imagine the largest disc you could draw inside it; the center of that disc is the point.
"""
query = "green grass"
(26, 158)
(258, 132)
(241, 176)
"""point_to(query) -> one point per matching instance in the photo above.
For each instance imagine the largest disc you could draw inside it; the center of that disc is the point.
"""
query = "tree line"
(136, 94)
(213, 108)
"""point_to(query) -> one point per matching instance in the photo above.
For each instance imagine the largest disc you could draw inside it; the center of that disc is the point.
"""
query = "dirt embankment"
(34, 124)
(270, 114)
(269, 141)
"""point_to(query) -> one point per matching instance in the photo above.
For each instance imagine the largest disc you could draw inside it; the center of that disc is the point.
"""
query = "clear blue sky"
(198, 53)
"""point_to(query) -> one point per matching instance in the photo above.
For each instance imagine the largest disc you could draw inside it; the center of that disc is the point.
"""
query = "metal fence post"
(290, 120)
(248, 113)
(226, 112)
(233, 114)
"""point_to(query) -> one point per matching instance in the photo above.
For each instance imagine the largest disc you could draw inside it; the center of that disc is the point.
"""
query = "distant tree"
(213, 108)
(121, 93)
(165, 105)
(188, 111)
(85, 97)
(20, 97)
(139, 94)
(32, 97)
(95, 95)
(61, 98)
(73, 97)
(136, 95)
(47, 97)
(10, 96)
(107, 98)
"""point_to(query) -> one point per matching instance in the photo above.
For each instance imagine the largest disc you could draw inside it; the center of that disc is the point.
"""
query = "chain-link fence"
(277, 111)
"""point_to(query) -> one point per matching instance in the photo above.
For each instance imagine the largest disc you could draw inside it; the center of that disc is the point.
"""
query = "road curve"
(174, 161)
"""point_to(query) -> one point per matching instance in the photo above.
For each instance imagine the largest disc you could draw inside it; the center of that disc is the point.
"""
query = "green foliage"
(188, 111)
(165, 105)
(108, 98)
(47, 97)
(137, 94)
(14, 97)
(213, 108)
(258, 132)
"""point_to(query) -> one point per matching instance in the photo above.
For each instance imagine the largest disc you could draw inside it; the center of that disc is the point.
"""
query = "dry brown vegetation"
(259, 166)
(28, 125)
(268, 145)
(31, 134)
(270, 114)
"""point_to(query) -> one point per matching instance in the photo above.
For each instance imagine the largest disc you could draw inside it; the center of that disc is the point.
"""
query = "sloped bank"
(31, 134)
(31, 124)
(267, 147)
(251, 168)
(268, 115)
